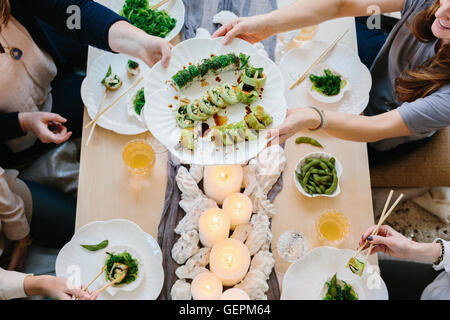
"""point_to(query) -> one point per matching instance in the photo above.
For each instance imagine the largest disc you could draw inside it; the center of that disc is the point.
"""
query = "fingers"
(79, 294)
(232, 33)
(47, 116)
(47, 136)
(380, 240)
(223, 30)
(367, 233)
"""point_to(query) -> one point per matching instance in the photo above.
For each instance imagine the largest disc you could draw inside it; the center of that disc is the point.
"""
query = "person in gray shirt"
(410, 96)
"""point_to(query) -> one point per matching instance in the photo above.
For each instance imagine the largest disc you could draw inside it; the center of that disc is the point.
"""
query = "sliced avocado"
(187, 139)
(250, 134)
(236, 130)
(194, 112)
(217, 136)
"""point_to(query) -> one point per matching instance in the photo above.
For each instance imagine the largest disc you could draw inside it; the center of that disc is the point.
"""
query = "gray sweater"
(402, 51)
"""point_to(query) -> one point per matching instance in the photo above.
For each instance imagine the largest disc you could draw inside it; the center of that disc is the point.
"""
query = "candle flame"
(215, 222)
(229, 260)
(223, 175)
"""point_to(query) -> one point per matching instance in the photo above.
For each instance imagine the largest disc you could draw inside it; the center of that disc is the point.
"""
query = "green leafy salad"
(139, 101)
(339, 290)
(329, 84)
(155, 22)
(117, 264)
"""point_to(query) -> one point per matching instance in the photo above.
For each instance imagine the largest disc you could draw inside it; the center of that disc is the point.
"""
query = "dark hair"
(435, 72)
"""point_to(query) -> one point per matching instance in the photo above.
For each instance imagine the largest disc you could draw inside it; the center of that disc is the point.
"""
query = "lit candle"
(238, 208)
(229, 260)
(214, 226)
(234, 294)
(206, 286)
(220, 181)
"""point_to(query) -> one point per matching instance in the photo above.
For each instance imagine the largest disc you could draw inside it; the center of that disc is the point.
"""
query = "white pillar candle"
(238, 207)
(214, 226)
(229, 260)
(220, 181)
(234, 294)
(206, 286)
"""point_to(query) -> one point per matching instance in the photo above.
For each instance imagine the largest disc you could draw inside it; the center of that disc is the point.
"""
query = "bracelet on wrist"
(322, 118)
(441, 257)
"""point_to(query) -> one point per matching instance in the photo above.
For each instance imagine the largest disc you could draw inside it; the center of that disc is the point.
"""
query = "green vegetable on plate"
(308, 140)
(95, 247)
(116, 260)
(329, 84)
(139, 101)
(339, 290)
(318, 176)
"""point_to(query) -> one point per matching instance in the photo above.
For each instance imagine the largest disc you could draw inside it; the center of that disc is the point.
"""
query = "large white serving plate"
(341, 59)
(305, 279)
(160, 118)
(175, 8)
(116, 118)
(120, 233)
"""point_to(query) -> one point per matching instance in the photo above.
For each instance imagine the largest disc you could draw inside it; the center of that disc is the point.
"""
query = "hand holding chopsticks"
(355, 265)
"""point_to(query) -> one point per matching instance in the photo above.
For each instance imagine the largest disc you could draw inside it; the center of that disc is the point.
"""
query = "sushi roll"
(221, 136)
(253, 122)
(206, 106)
(194, 72)
(254, 77)
(215, 98)
(237, 131)
(246, 94)
(262, 116)
(243, 60)
(181, 79)
(194, 112)
(229, 94)
(111, 81)
(187, 139)
(133, 68)
(183, 119)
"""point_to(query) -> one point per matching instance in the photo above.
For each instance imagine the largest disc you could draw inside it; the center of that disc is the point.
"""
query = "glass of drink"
(139, 156)
(332, 228)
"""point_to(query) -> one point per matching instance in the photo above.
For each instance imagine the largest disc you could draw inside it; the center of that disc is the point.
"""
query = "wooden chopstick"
(92, 281)
(159, 4)
(111, 283)
(319, 59)
(380, 223)
(95, 124)
(381, 218)
(99, 114)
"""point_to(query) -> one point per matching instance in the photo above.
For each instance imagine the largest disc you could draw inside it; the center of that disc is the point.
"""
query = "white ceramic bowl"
(325, 155)
(319, 71)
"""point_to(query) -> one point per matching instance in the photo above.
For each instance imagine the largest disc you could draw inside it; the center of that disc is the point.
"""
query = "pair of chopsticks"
(118, 279)
(384, 216)
(159, 4)
(100, 113)
(319, 59)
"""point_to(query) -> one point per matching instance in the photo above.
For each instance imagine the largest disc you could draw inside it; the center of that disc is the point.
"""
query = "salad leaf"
(95, 247)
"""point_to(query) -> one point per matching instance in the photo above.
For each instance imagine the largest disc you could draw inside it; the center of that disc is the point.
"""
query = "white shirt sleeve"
(11, 284)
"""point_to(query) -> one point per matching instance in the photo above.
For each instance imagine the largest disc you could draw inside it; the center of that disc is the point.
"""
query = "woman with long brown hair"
(410, 96)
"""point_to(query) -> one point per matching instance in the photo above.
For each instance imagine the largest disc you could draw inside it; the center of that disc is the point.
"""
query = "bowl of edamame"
(317, 174)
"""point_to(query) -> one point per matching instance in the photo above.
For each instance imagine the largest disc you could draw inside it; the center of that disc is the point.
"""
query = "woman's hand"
(126, 38)
(45, 125)
(252, 29)
(296, 119)
(397, 245)
(56, 288)
(19, 253)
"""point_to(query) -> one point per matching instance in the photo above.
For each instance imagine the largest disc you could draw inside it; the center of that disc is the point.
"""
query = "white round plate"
(74, 261)
(116, 118)
(161, 120)
(175, 8)
(305, 279)
(325, 155)
(341, 59)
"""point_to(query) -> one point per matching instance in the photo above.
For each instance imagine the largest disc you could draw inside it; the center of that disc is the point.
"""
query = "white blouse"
(439, 289)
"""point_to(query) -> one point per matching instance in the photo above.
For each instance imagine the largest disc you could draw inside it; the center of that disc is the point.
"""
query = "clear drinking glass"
(332, 228)
(139, 156)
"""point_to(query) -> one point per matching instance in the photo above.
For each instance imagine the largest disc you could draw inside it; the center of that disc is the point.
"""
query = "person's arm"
(341, 125)
(10, 126)
(397, 245)
(300, 14)
(102, 28)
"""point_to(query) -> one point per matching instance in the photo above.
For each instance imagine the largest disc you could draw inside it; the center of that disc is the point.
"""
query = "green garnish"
(108, 73)
(329, 84)
(95, 247)
(139, 101)
(308, 140)
(338, 291)
(153, 22)
(126, 259)
(133, 64)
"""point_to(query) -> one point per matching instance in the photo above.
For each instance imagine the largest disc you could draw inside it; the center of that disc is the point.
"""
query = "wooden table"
(107, 191)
